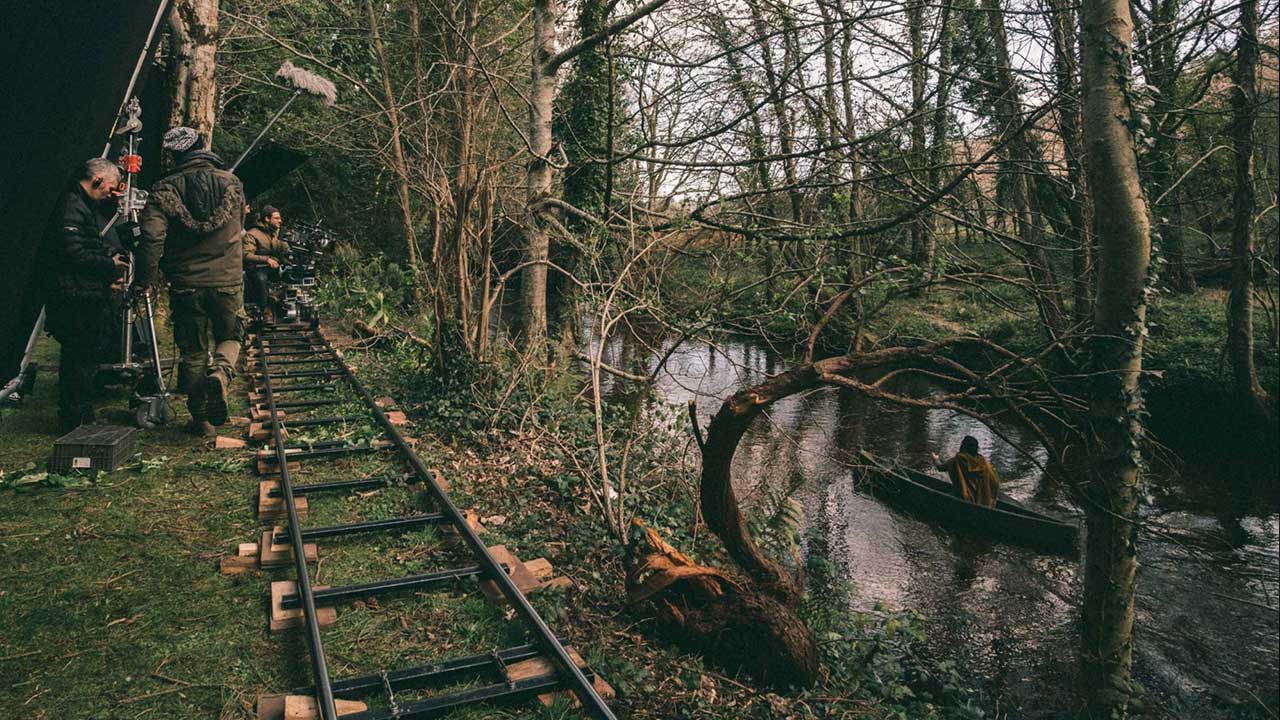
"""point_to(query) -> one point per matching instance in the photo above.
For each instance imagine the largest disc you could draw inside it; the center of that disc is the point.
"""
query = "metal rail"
(319, 667)
(566, 674)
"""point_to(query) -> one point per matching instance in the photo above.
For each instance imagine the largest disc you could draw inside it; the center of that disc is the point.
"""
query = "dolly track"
(300, 353)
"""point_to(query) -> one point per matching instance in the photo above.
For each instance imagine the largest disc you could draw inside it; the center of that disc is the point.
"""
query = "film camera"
(307, 244)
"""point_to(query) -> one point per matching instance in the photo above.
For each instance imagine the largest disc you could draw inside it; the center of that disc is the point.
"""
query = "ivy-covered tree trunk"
(1158, 55)
(1124, 242)
(587, 97)
(584, 127)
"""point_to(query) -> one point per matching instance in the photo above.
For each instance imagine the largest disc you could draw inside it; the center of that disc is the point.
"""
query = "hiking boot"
(201, 428)
(215, 398)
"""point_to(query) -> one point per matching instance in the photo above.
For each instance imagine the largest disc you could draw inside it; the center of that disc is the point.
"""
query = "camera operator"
(85, 272)
(194, 219)
(264, 252)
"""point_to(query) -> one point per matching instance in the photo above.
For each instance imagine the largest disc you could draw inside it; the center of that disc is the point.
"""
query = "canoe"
(931, 498)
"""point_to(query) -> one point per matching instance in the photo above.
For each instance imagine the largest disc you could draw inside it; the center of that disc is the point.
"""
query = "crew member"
(263, 253)
(85, 280)
(972, 475)
(191, 230)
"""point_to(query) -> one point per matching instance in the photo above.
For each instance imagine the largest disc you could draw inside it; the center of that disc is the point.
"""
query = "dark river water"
(1206, 636)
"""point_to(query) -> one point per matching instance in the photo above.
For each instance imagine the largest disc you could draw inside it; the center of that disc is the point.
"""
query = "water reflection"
(1205, 645)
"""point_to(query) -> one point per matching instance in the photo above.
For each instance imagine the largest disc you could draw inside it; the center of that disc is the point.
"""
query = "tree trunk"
(459, 184)
(940, 154)
(1024, 163)
(542, 93)
(1066, 68)
(853, 210)
(1157, 53)
(193, 90)
(1124, 242)
(777, 98)
(586, 111)
(397, 149)
(922, 226)
(1244, 98)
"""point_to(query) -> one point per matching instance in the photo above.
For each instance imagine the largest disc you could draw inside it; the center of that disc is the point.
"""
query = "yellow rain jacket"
(974, 478)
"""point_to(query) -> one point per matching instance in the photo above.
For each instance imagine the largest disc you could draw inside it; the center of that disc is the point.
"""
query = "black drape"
(65, 69)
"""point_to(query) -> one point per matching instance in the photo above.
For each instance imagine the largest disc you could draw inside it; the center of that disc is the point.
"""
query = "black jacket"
(193, 220)
(77, 260)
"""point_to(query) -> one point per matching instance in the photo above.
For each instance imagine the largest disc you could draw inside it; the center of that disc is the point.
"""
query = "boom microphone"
(302, 82)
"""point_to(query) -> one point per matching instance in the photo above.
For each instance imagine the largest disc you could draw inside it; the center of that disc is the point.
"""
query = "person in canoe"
(975, 480)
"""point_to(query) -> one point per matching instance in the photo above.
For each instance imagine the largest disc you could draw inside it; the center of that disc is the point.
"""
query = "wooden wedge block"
(541, 569)
(273, 554)
(245, 559)
(271, 706)
(474, 521)
(269, 454)
(396, 417)
(261, 431)
(272, 509)
(268, 467)
(384, 402)
(540, 666)
(303, 707)
(525, 581)
(282, 619)
(603, 689)
(229, 443)
(262, 415)
(238, 420)
(278, 707)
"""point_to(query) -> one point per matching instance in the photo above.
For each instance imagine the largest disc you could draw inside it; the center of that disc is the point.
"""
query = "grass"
(110, 600)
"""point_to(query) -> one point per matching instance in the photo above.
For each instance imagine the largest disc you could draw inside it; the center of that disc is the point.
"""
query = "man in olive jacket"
(191, 230)
(263, 252)
(83, 283)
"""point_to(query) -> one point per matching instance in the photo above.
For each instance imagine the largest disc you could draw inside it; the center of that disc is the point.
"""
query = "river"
(1205, 640)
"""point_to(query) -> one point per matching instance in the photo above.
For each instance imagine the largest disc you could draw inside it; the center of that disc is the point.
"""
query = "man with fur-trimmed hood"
(191, 230)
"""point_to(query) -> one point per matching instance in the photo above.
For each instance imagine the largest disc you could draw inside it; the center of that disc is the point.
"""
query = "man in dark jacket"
(84, 282)
(264, 251)
(191, 230)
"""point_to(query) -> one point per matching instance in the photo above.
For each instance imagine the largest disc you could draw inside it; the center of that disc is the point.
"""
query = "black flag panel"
(66, 69)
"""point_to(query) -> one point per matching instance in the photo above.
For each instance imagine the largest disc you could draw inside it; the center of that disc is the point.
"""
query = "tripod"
(150, 399)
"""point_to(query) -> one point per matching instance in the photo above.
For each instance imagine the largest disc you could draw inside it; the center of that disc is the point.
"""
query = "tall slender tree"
(1244, 112)
(1124, 243)
(543, 73)
(392, 108)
